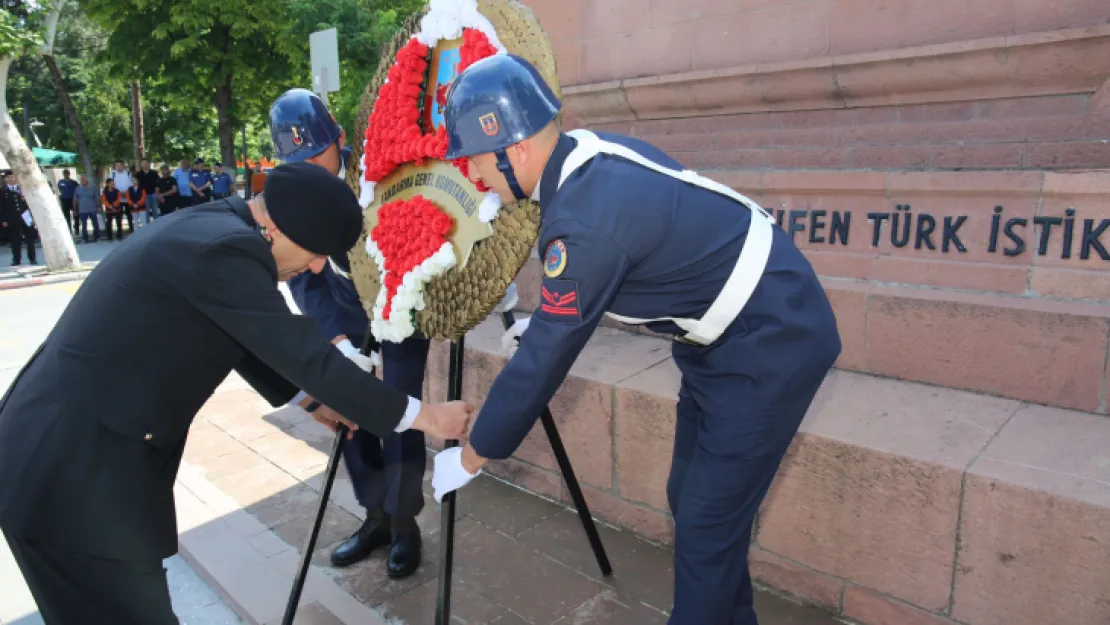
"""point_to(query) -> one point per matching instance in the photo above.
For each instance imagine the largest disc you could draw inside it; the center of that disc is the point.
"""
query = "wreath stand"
(447, 523)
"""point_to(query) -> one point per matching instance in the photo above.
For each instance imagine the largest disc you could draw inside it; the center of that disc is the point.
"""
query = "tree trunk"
(247, 169)
(223, 115)
(57, 243)
(137, 123)
(73, 120)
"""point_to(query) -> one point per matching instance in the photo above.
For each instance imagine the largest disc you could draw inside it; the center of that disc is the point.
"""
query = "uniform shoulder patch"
(560, 298)
(555, 259)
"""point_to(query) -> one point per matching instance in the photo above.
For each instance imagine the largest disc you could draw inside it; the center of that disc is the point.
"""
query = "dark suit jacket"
(12, 206)
(92, 430)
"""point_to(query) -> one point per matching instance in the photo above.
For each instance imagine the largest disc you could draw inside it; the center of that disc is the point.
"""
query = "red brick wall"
(843, 84)
(600, 40)
(951, 108)
(1046, 132)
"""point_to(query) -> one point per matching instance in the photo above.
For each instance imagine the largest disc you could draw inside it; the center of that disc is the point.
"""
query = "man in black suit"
(86, 489)
(16, 217)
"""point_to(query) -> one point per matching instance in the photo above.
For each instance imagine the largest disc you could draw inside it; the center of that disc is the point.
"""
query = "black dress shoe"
(375, 532)
(404, 555)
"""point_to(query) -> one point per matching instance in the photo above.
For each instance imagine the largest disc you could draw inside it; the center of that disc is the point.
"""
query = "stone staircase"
(955, 467)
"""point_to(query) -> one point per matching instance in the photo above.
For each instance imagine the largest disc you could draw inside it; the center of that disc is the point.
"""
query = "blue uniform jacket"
(333, 301)
(618, 237)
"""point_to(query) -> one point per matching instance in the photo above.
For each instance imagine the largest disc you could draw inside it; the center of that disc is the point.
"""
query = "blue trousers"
(739, 408)
(389, 474)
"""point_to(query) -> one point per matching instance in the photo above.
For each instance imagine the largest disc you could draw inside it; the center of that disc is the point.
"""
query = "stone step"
(899, 503)
(1047, 352)
(250, 483)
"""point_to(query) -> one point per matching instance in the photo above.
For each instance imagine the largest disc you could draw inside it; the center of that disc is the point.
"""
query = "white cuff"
(410, 415)
(509, 301)
(297, 399)
(347, 348)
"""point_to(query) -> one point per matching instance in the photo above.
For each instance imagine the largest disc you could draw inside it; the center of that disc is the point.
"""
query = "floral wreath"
(409, 244)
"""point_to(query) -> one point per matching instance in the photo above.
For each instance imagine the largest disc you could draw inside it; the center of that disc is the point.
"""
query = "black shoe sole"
(403, 573)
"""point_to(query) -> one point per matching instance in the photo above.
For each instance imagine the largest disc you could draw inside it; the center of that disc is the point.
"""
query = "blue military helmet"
(301, 126)
(497, 102)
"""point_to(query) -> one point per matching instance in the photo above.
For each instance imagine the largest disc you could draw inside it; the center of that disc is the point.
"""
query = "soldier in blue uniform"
(386, 475)
(626, 231)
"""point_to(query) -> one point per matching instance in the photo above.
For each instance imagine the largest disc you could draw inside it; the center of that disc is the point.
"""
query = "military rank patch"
(560, 298)
(555, 259)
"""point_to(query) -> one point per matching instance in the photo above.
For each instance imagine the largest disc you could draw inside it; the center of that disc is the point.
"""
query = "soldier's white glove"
(352, 353)
(511, 339)
(449, 473)
(508, 302)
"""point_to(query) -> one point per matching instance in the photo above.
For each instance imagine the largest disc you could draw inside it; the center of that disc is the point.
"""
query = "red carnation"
(408, 233)
(393, 135)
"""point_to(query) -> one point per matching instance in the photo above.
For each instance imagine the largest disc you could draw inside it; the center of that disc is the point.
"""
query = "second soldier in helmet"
(386, 474)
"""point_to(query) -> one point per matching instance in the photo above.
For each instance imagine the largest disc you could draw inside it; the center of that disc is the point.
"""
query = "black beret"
(313, 207)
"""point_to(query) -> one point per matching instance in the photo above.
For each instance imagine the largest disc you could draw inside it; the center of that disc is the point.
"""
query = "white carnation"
(490, 206)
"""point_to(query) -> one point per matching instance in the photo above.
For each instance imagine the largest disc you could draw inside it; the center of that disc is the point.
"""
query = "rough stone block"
(651, 524)
(912, 157)
(582, 407)
(1036, 518)
(973, 195)
(870, 491)
(560, 20)
(1087, 196)
(953, 275)
(535, 479)
(779, 33)
(567, 57)
(865, 26)
(672, 11)
(842, 264)
(1035, 107)
(819, 158)
(583, 414)
(612, 17)
(1007, 156)
(1047, 352)
(644, 422)
(874, 609)
(641, 53)
(1068, 155)
(798, 210)
(1071, 284)
(803, 582)
(849, 302)
(1031, 16)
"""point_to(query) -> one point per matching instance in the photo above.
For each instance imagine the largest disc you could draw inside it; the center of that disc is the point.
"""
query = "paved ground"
(248, 487)
(28, 274)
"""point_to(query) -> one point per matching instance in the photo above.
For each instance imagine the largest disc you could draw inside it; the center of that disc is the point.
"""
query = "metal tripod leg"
(569, 477)
(310, 543)
(325, 494)
(447, 521)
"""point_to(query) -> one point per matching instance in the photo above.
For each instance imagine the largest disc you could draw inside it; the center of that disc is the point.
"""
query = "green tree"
(236, 55)
(24, 28)
(363, 27)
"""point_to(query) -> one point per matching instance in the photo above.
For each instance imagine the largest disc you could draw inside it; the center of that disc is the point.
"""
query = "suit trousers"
(20, 234)
(388, 475)
(731, 435)
(72, 588)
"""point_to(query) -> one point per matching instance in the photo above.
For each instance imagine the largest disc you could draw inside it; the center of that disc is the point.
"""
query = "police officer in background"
(625, 231)
(386, 474)
(15, 215)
